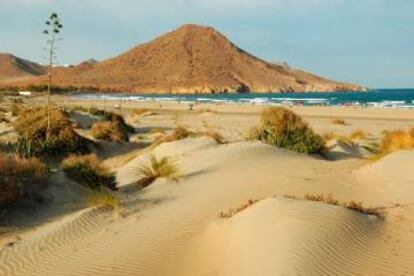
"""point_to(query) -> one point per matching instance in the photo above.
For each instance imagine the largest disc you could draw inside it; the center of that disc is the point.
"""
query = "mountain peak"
(191, 59)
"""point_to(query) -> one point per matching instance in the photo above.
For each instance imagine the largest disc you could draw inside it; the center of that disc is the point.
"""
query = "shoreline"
(354, 112)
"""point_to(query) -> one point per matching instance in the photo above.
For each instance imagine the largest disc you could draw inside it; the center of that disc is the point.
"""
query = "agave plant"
(157, 168)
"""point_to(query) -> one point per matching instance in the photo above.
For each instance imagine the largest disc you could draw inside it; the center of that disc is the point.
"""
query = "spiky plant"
(158, 168)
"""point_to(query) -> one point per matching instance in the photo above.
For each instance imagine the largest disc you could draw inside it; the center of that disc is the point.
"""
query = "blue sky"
(369, 42)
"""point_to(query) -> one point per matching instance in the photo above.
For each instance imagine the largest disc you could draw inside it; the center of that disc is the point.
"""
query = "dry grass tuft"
(215, 135)
(88, 171)
(103, 198)
(109, 131)
(37, 140)
(3, 118)
(140, 111)
(397, 140)
(392, 141)
(339, 122)
(158, 168)
(20, 178)
(328, 136)
(178, 134)
(156, 131)
(283, 128)
(352, 205)
(233, 211)
(358, 135)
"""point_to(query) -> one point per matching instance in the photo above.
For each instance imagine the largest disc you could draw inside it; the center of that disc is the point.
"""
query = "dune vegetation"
(109, 131)
(21, 178)
(282, 128)
(112, 126)
(89, 171)
(36, 138)
(157, 168)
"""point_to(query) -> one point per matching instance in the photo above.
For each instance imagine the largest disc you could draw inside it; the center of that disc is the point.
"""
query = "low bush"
(112, 117)
(36, 139)
(20, 178)
(157, 168)
(88, 171)
(109, 131)
(283, 128)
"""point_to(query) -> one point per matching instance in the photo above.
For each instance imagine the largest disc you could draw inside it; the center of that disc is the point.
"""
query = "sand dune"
(172, 228)
(390, 177)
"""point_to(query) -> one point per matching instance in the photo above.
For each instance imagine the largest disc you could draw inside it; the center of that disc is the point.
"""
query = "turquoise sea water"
(385, 98)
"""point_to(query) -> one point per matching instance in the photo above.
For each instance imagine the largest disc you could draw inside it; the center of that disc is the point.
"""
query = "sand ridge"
(175, 228)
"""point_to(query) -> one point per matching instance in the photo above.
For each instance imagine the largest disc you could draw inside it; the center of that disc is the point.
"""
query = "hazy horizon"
(368, 42)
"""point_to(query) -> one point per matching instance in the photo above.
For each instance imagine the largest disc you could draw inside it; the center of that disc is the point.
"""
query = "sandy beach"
(180, 227)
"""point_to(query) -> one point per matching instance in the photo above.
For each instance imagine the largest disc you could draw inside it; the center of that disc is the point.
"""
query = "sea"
(376, 98)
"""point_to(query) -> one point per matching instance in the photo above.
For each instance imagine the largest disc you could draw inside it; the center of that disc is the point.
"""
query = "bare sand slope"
(392, 177)
(174, 228)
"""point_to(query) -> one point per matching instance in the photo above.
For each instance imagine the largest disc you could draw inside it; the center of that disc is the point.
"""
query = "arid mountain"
(13, 68)
(191, 59)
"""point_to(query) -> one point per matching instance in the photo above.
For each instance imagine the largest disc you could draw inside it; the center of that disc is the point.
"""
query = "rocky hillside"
(12, 68)
(191, 59)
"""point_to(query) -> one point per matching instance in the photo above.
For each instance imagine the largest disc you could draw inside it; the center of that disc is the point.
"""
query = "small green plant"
(282, 128)
(89, 171)
(158, 168)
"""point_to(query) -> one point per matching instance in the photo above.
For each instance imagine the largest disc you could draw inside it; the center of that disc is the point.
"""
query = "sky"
(368, 42)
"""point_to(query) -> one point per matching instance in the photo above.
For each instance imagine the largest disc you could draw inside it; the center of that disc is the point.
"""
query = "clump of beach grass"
(393, 141)
(178, 134)
(282, 128)
(358, 135)
(215, 135)
(112, 117)
(339, 122)
(163, 167)
(39, 138)
(109, 131)
(21, 178)
(103, 197)
(89, 171)
(140, 111)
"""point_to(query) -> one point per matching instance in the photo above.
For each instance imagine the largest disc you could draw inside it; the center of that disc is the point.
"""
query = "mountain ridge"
(191, 59)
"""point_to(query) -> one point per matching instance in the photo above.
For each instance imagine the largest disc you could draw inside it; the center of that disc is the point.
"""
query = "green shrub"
(89, 171)
(37, 140)
(20, 178)
(283, 128)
